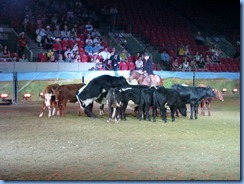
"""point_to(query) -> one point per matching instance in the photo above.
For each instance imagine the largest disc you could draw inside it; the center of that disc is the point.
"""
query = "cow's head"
(218, 95)
(183, 110)
(210, 92)
(47, 99)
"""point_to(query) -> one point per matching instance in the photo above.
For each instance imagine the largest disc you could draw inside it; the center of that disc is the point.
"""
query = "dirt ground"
(82, 148)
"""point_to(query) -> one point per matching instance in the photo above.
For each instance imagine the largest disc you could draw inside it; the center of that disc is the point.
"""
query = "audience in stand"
(193, 64)
(22, 42)
(60, 58)
(52, 59)
(175, 65)
(139, 63)
(201, 64)
(6, 52)
(23, 58)
(68, 58)
(165, 58)
(48, 42)
(185, 65)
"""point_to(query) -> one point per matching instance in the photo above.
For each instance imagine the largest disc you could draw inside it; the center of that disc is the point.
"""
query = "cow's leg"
(192, 110)
(54, 108)
(209, 107)
(49, 111)
(140, 111)
(202, 105)
(64, 107)
(195, 110)
(123, 108)
(110, 109)
(42, 109)
(154, 109)
(88, 111)
(172, 111)
(147, 109)
(101, 109)
(164, 117)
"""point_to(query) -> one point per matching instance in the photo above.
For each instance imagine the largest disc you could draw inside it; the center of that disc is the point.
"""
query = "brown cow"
(48, 100)
(65, 93)
(206, 102)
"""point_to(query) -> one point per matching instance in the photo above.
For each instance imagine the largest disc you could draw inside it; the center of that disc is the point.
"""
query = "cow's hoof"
(173, 120)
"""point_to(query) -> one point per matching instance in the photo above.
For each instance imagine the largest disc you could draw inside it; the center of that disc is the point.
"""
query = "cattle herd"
(116, 92)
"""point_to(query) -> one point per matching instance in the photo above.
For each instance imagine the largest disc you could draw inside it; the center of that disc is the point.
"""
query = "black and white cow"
(115, 102)
(173, 99)
(97, 89)
(193, 95)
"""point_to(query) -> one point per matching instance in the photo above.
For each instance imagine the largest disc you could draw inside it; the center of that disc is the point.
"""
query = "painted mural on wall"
(35, 82)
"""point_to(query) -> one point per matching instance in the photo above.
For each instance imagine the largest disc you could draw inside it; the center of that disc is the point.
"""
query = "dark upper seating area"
(163, 24)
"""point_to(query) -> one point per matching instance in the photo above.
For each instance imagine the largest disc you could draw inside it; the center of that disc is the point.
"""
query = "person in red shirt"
(22, 42)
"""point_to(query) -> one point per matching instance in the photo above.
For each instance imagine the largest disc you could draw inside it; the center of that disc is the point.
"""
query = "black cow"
(193, 95)
(115, 102)
(97, 89)
(173, 99)
(133, 93)
(147, 102)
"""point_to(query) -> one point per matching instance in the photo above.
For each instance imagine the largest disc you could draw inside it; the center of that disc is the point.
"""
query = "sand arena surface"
(81, 148)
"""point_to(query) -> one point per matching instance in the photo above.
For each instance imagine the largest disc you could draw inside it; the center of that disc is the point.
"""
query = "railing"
(9, 67)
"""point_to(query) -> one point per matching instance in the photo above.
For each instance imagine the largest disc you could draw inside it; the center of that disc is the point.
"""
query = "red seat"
(42, 57)
(131, 65)
(123, 66)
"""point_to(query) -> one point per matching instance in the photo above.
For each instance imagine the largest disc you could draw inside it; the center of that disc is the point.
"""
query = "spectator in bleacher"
(57, 32)
(97, 47)
(60, 58)
(40, 35)
(113, 11)
(89, 48)
(95, 33)
(68, 51)
(74, 32)
(115, 59)
(198, 56)
(68, 58)
(89, 27)
(6, 52)
(48, 42)
(208, 59)
(52, 59)
(15, 58)
(193, 64)
(201, 64)
(88, 39)
(187, 51)
(139, 63)
(49, 31)
(23, 58)
(105, 54)
(181, 51)
(75, 47)
(96, 39)
(165, 58)
(25, 22)
(22, 42)
(185, 65)
(50, 53)
(124, 55)
(65, 33)
(77, 58)
(199, 39)
(175, 65)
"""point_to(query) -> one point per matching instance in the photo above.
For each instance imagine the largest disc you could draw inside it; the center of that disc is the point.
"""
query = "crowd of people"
(185, 59)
